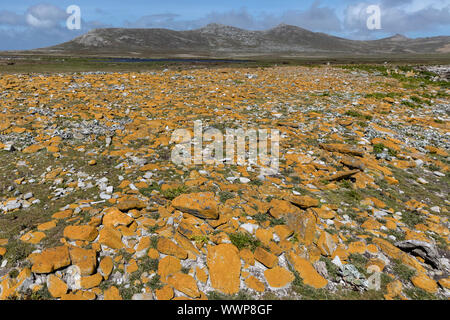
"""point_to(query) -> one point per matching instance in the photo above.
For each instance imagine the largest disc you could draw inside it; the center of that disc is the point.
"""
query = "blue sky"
(27, 24)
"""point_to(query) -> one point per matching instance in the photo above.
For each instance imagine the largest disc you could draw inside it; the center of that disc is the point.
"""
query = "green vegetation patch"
(244, 240)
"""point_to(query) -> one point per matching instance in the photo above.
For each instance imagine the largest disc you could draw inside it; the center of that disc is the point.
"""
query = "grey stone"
(321, 268)
(28, 195)
(13, 204)
(422, 249)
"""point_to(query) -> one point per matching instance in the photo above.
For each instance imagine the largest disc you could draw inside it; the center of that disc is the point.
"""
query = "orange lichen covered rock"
(203, 205)
(88, 233)
(278, 277)
(50, 259)
(224, 268)
(185, 284)
(306, 271)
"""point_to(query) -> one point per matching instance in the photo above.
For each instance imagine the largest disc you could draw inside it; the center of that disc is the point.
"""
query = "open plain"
(92, 207)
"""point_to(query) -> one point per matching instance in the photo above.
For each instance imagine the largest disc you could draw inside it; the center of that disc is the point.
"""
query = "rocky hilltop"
(215, 39)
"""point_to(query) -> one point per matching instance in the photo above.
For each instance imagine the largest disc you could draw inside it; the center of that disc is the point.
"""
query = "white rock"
(103, 180)
(422, 181)
(28, 195)
(244, 180)
(13, 204)
(439, 174)
(379, 213)
(143, 296)
(9, 147)
(132, 187)
(419, 162)
(249, 227)
(139, 161)
(105, 196)
(436, 209)
(337, 261)
(148, 175)
(140, 254)
(97, 202)
(73, 277)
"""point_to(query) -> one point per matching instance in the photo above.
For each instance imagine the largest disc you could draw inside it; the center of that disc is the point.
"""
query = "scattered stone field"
(92, 207)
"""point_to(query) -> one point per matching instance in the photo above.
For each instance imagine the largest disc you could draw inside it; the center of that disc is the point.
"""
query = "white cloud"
(398, 16)
(45, 16)
(40, 26)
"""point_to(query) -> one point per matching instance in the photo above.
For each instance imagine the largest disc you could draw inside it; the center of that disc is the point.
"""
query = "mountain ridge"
(217, 39)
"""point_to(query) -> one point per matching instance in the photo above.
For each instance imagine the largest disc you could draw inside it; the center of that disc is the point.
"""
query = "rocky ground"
(91, 206)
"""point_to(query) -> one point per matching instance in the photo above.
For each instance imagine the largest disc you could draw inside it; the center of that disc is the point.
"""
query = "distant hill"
(220, 40)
